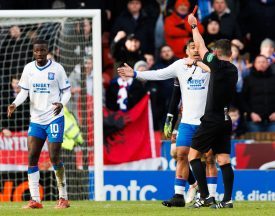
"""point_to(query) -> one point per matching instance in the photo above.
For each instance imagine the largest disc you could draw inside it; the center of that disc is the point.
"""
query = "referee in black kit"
(215, 130)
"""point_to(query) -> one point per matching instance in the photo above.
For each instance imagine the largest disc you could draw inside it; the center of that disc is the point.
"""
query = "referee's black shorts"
(213, 134)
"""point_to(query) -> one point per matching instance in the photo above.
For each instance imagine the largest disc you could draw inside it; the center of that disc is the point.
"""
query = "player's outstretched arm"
(197, 36)
(20, 98)
(162, 74)
(126, 71)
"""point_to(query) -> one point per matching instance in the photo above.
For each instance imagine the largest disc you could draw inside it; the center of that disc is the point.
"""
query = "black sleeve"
(118, 50)
(116, 27)
(211, 61)
(175, 98)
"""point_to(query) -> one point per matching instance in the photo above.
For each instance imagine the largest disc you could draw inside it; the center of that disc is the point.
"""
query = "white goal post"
(97, 76)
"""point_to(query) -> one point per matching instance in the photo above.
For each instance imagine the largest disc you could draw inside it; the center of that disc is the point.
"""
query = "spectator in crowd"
(267, 49)
(75, 80)
(204, 8)
(103, 5)
(75, 41)
(150, 59)
(126, 49)
(58, 4)
(15, 51)
(50, 56)
(162, 89)
(259, 97)
(125, 94)
(228, 21)
(243, 71)
(20, 120)
(176, 28)
(155, 94)
(141, 66)
(212, 32)
(85, 30)
(257, 23)
(159, 26)
(135, 21)
(165, 9)
(237, 126)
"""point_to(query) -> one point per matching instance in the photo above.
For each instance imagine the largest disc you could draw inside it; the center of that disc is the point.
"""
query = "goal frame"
(97, 82)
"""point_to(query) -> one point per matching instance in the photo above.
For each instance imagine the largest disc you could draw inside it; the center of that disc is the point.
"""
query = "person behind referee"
(215, 130)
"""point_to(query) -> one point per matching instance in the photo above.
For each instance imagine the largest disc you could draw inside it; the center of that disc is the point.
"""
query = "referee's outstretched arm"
(199, 42)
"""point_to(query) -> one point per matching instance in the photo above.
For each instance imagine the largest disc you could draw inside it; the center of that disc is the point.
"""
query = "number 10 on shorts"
(54, 128)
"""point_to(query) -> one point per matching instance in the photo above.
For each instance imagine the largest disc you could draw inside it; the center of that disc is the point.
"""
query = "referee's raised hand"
(125, 71)
(192, 19)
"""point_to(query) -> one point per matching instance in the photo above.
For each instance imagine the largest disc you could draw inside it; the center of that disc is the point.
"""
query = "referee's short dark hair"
(224, 46)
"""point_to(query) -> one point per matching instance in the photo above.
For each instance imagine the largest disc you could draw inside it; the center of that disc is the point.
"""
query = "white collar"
(226, 11)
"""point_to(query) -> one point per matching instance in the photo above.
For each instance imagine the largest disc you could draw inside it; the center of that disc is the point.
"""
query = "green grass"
(81, 208)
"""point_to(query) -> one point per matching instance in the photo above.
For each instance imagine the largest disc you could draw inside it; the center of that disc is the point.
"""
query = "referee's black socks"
(191, 179)
(200, 175)
(228, 179)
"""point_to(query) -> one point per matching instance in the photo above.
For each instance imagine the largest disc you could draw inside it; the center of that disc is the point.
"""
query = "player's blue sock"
(179, 186)
(33, 177)
(59, 171)
(212, 185)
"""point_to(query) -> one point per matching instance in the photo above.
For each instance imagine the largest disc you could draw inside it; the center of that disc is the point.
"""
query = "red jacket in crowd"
(178, 32)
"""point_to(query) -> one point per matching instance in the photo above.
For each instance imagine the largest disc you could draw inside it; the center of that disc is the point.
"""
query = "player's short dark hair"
(40, 41)
(187, 44)
(224, 45)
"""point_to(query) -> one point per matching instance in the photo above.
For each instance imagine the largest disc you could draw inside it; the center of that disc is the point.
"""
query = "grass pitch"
(81, 208)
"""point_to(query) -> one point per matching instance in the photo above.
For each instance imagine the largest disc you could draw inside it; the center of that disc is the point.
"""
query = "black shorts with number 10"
(213, 134)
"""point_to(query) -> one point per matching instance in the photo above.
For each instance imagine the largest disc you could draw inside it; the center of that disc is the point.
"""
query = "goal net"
(74, 39)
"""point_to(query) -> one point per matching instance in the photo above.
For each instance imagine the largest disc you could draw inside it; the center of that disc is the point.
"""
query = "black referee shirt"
(222, 85)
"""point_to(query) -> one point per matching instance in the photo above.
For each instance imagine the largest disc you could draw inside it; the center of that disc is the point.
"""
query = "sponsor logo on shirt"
(50, 76)
(196, 84)
(41, 87)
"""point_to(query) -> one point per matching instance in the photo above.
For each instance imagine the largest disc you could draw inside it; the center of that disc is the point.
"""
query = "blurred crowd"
(150, 35)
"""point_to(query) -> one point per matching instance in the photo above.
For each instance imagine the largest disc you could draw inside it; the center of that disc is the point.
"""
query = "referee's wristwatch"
(193, 26)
